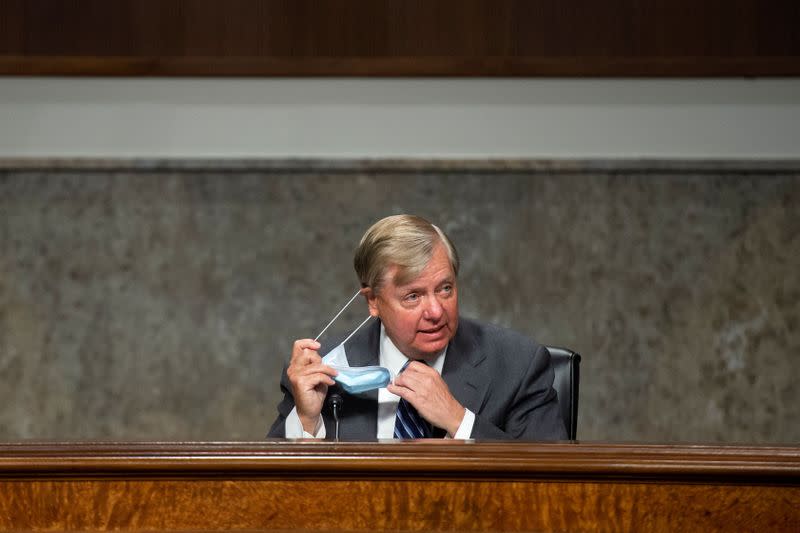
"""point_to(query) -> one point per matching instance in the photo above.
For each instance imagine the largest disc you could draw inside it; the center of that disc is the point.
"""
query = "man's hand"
(310, 379)
(425, 389)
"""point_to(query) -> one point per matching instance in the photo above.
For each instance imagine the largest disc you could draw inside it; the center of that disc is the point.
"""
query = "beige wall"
(119, 117)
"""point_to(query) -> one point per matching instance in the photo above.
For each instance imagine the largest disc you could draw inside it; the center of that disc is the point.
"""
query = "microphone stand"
(336, 406)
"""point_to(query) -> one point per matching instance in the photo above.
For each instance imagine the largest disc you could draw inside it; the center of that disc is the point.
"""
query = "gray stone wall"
(159, 299)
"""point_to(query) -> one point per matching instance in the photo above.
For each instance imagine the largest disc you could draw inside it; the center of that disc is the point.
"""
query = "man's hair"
(406, 241)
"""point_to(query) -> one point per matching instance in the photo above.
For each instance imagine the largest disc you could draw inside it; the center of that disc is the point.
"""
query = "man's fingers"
(404, 392)
(317, 368)
(311, 381)
(416, 380)
(304, 352)
(301, 344)
(402, 381)
(419, 365)
(303, 347)
(417, 371)
(306, 357)
(307, 377)
(306, 371)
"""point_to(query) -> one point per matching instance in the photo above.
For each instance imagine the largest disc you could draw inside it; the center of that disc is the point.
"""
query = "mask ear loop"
(337, 316)
(355, 330)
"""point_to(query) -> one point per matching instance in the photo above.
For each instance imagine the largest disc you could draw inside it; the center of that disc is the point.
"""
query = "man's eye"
(447, 288)
(413, 297)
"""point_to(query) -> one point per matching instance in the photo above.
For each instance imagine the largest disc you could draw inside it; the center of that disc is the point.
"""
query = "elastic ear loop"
(337, 316)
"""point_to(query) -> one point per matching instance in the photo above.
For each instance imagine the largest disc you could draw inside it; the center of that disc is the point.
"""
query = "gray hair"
(406, 241)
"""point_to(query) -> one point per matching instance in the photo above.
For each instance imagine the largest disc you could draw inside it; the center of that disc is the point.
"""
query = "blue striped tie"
(408, 424)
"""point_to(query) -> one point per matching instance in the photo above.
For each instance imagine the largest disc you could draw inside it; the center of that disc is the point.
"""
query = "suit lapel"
(363, 348)
(462, 372)
(360, 412)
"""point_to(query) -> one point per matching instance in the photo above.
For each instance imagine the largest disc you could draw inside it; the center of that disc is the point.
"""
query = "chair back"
(566, 364)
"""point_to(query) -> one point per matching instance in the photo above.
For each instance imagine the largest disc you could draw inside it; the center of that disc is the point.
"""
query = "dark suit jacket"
(503, 377)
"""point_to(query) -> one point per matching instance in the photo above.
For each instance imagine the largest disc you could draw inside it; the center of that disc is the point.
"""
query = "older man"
(455, 378)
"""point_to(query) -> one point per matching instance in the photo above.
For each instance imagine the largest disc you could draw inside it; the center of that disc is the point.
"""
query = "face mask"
(354, 379)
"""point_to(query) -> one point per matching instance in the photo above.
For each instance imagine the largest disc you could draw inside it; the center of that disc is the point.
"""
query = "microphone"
(335, 401)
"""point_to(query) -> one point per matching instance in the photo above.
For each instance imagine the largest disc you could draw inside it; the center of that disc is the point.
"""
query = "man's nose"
(433, 309)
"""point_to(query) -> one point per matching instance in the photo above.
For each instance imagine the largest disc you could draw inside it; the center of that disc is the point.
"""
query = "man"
(457, 377)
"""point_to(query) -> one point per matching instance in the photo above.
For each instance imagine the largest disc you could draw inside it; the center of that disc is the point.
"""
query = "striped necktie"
(408, 424)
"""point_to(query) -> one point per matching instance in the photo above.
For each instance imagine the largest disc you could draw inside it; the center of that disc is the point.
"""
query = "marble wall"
(159, 299)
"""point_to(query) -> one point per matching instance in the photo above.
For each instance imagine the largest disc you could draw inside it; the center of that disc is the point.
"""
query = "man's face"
(422, 316)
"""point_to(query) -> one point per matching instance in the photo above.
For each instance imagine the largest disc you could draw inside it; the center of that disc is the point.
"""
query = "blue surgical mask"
(354, 379)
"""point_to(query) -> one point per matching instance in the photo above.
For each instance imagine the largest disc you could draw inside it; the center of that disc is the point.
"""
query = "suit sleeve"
(533, 411)
(278, 429)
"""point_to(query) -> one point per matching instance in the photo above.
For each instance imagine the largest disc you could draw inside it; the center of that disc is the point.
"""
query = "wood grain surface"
(406, 505)
(417, 486)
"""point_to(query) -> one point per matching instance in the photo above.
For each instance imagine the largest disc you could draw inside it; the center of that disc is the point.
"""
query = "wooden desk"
(415, 486)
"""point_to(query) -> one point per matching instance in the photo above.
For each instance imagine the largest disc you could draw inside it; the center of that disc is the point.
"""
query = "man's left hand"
(424, 388)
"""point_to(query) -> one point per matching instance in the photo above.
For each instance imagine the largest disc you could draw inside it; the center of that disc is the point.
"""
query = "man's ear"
(372, 301)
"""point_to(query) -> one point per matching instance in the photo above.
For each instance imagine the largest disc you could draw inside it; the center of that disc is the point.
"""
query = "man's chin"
(433, 346)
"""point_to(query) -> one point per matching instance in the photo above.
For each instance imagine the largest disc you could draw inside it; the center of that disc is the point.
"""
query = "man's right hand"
(310, 379)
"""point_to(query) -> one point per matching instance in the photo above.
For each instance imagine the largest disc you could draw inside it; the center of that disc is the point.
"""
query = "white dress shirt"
(392, 359)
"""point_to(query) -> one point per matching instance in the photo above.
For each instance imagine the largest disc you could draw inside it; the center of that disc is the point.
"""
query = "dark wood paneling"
(415, 486)
(412, 37)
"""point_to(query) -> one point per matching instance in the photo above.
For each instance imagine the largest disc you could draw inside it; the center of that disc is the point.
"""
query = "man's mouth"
(433, 330)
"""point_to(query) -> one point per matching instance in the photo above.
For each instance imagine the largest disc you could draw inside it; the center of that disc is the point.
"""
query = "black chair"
(566, 364)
